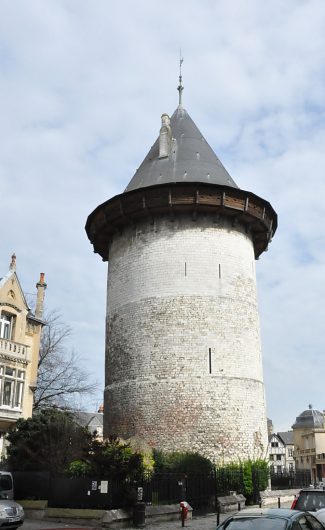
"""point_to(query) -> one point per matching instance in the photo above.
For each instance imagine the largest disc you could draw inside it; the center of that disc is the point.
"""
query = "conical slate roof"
(309, 418)
(181, 174)
(191, 159)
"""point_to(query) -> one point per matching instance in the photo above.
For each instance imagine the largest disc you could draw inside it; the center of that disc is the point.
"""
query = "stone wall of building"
(183, 355)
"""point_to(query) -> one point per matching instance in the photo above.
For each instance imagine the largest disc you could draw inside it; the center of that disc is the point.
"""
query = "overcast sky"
(83, 85)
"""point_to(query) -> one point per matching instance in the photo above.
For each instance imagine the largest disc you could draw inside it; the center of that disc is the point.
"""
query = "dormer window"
(6, 325)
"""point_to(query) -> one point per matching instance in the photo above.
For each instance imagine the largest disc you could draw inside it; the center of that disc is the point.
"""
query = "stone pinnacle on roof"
(12, 266)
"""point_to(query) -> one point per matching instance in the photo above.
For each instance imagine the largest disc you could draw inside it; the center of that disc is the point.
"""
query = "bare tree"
(61, 380)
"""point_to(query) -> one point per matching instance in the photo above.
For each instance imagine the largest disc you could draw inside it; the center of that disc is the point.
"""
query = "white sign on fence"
(104, 486)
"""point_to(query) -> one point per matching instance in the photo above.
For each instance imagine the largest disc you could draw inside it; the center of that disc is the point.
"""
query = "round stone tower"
(183, 353)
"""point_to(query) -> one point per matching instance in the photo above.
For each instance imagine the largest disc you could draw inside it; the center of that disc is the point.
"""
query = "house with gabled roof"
(287, 439)
(20, 332)
(281, 452)
(93, 421)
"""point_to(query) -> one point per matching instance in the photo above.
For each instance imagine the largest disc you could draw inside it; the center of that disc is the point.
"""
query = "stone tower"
(183, 354)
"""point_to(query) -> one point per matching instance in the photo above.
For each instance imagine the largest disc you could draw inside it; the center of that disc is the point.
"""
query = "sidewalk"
(204, 522)
(208, 522)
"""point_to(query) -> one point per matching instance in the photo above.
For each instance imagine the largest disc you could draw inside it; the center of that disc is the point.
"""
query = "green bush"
(109, 458)
(181, 462)
(260, 469)
(50, 440)
(79, 468)
(248, 477)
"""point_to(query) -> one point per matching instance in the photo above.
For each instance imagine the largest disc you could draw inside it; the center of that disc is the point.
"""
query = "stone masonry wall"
(183, 356)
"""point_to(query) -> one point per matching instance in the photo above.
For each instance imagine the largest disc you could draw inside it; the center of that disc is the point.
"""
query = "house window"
(290, 466)
(11, 387)
(6, 325)
(278, 469)
(290, 452)
(274, 444)
(271, 458)
(279, 457)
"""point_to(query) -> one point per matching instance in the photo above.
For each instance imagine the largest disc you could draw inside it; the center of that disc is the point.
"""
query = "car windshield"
(311, 501)
(5, 482)
(257, 523)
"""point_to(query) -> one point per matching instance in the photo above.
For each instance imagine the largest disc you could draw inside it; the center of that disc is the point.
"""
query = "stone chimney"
(40, 286)
(165, 137)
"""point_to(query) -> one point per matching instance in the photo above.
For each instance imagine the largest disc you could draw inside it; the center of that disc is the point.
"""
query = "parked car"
(309, 499)
(320, 515)
(6, 485)
(11, 514)
(271, 519)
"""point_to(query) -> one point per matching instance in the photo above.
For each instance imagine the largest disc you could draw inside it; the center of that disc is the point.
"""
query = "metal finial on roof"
(180, 87)
(310, 406)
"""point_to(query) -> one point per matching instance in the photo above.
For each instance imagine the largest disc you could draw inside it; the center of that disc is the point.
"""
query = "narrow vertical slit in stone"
(185, 268)
(219, 270)
(210, 362)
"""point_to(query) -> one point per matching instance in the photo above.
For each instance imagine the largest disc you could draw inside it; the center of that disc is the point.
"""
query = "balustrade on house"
(16, 349)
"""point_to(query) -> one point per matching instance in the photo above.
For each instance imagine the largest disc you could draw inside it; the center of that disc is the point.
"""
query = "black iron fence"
(78, 492)
(201, 491)
(168, 488)
(290, 480)
(31, 484)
